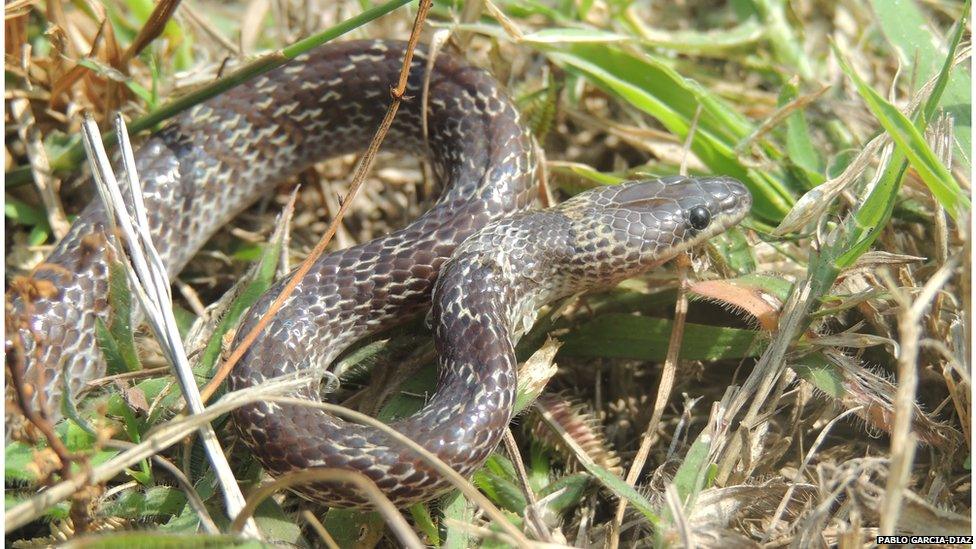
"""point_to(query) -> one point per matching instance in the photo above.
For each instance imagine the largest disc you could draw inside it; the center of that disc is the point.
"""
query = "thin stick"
(663, 395)
(393, 518)
(445, 470)
(365, 164)
(149, 280)
(319, 528)
(531, 510)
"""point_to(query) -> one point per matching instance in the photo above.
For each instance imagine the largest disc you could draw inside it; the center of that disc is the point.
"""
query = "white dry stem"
(798, 477)
(47, 184)
(676, 508)
(149, 280)
(903, 440)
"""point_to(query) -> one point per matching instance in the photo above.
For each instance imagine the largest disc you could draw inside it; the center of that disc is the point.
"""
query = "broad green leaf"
(656, 89)
(645, 338)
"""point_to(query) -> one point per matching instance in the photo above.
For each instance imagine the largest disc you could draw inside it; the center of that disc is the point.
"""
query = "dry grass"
(850, 417)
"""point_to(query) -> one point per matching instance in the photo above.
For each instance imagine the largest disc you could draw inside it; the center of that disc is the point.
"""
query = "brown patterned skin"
(486, 296)
(217, 157)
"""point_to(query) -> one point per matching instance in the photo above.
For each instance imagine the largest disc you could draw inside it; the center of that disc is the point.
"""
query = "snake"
(481, 259)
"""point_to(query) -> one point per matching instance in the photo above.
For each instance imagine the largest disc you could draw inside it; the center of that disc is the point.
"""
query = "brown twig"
(154, 26)
(663, 395)
(363, 168)
(535, 521)
(319, 528)
(385, 507)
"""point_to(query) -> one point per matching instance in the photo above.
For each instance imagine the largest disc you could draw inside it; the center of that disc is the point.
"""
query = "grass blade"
(912, 144)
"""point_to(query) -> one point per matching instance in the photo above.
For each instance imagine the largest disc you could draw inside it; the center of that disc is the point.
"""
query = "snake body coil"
(213, 160)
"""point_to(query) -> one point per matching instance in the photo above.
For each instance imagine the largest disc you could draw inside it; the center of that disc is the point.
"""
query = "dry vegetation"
(822, 393)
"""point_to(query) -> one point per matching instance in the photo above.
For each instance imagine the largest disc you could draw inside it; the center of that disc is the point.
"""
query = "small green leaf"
(116, 340)
(501, 491)
(822, 374)
(352, 528)
(572, 35)
(423, 520)
(912, 144)
(799, 145)
(152, 502)
(574, 486)
(735, 250)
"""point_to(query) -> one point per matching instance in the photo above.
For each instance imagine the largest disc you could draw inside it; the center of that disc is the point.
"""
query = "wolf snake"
(213, 160)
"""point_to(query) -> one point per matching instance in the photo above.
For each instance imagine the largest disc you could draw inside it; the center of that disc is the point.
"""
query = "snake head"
(631, 227)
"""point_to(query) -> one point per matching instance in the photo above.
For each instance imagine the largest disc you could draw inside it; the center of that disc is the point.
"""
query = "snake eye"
(699, 217)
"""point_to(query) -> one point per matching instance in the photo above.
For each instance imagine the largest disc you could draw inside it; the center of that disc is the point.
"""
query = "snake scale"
(486, 261)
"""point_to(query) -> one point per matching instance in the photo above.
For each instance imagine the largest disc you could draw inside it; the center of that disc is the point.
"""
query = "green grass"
(783, 96)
